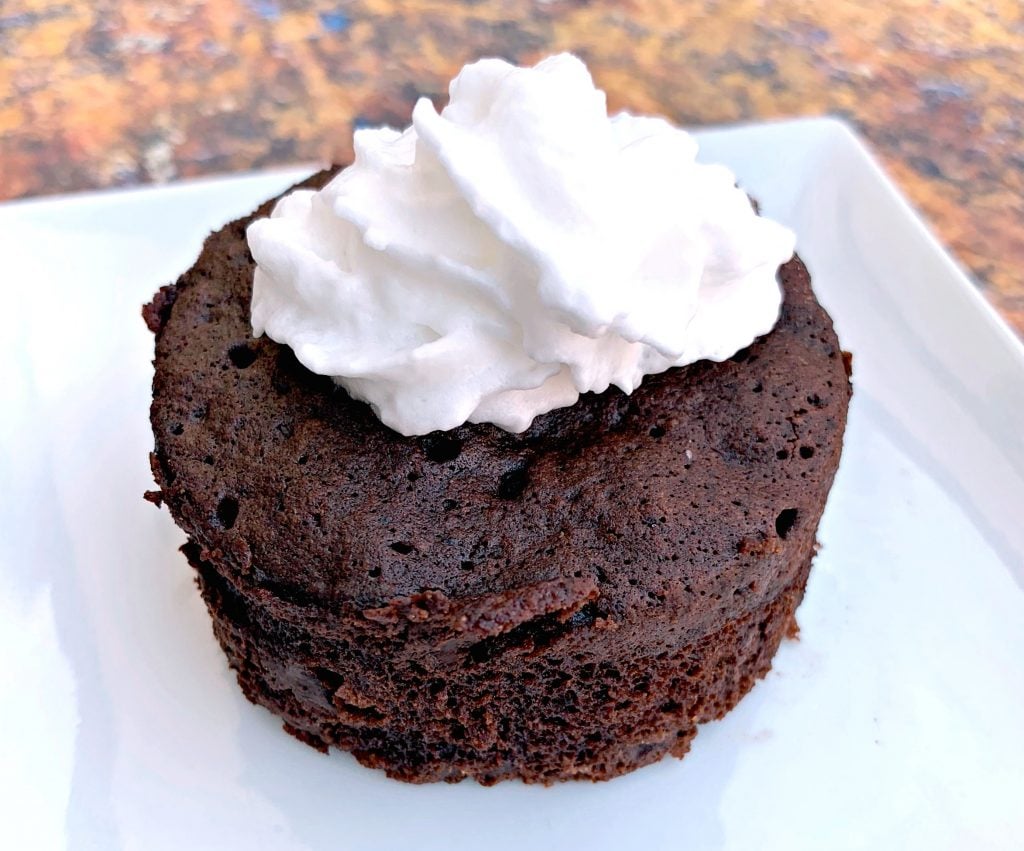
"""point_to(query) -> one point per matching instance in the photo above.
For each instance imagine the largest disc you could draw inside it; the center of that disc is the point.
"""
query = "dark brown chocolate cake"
(565, 603)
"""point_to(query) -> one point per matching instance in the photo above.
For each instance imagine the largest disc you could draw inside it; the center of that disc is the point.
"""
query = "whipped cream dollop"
(497, 259)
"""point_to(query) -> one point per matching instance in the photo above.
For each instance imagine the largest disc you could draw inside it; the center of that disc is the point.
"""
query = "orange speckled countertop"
(107, 93)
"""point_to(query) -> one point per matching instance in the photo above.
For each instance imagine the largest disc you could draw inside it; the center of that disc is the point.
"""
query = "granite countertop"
(107, 93)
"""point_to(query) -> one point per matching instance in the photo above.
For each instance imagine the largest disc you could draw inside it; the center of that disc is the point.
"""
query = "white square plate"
(895, 721)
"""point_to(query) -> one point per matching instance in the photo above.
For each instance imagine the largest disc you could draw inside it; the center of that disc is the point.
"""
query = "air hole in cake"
(657, 431)
(177, 429)
(402, 548)
(441, 447)
(242, 356)
(330, 680)
(584, 617)
(806, 452)
(449, 505)
(513, 482)
(466, 565)
(227, 512)
(757, 388)
(302, 459)
(782, 454)
(785, 521)
(373, 572)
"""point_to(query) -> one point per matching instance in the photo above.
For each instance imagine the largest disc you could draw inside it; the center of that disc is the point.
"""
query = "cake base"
(589, 721)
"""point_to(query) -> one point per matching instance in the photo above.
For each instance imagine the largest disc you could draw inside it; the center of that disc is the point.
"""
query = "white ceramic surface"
(894, 721)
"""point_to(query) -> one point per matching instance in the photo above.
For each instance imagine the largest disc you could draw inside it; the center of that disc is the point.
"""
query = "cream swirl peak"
(497, 259)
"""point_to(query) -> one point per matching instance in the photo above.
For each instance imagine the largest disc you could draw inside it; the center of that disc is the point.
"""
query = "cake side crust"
(578, 717)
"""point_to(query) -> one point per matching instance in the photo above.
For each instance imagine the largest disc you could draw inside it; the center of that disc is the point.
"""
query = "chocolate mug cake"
(528, 532)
